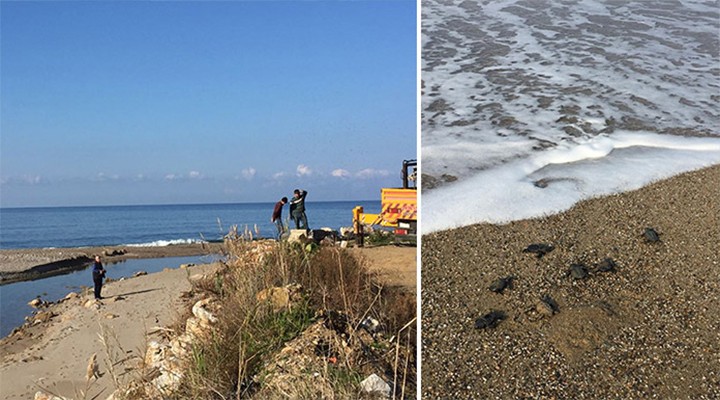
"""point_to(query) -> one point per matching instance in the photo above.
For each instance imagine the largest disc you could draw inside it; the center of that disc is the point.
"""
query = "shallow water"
(607, 96)
(15, 296)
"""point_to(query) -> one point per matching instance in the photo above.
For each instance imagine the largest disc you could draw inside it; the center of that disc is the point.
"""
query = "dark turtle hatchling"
(651, 235)
(501, 284)
(490, 320)
(606, 265)
(547, 306)
(578, 271)
(539, 248)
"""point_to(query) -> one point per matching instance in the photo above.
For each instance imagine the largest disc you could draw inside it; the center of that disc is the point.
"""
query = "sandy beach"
(52, 355)
(648, 329)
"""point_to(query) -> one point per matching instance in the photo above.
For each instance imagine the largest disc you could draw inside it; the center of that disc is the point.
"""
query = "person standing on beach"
(297, 205)
(277, 216)
(98, 275)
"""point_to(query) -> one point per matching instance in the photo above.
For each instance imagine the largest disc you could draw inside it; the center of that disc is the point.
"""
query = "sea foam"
(599, 166)
(163, 243)
(584, 97)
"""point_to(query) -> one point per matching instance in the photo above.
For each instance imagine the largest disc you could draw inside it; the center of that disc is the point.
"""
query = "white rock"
(35, 303)
(154, 354)
(202, 313)
(45, 396)
(297, 236)
(92, 303)
(196, 328)
(375, 385)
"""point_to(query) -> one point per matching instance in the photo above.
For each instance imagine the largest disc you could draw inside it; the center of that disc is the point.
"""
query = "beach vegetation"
(380, 237)
(290, 324)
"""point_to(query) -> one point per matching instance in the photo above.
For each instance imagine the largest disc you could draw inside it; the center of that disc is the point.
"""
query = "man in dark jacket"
(98, 274)
(277, 216)
(297, 205)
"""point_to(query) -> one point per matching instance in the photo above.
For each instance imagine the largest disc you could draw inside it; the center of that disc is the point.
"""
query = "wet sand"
(649, 329)
(26, 264)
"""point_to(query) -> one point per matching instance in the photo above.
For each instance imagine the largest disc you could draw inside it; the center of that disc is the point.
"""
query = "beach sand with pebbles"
(649, 329)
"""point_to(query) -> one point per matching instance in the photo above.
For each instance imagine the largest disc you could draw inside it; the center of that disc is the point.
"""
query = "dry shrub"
(227, 363)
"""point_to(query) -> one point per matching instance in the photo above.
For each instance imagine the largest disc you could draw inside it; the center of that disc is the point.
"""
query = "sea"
(156, 225)
(151, 225)
(530, 106)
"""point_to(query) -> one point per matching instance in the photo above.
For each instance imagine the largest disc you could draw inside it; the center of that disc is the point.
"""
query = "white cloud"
(368, 173)
(31, 179)
(303, 170)
(248, 173)
(340, 173)
(195, 175)
(23, 179)
(103, 177)
(279, 175)
(172, 177)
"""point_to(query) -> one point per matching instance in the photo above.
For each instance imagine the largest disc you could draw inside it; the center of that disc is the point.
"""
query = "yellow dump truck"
(398, 208)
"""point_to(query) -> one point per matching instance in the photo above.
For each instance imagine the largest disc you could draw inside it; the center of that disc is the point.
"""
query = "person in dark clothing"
(98, 273)
(292, 213)
(277, 216)
(297, 205)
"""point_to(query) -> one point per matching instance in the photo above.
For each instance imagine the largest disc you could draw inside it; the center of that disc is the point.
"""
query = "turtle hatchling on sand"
(651, 235)
(501, 284)
(547, 306)
(578, 271)
(606, 265)
(539, 248)
(490, 320)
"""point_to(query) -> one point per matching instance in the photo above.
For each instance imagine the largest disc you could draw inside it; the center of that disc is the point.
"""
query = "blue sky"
(199, 102)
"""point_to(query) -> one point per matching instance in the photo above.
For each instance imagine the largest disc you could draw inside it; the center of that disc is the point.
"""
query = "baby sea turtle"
(578, 271)
(490, 320)
(541, 183)
(547, 306)
(606, 265)
(651, 235)
(501, 284)
(539, 248)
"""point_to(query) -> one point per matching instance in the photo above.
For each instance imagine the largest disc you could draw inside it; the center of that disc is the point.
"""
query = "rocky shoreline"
(28, 264)
(569, 325)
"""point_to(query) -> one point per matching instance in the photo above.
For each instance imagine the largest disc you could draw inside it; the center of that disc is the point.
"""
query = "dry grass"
(336, 288)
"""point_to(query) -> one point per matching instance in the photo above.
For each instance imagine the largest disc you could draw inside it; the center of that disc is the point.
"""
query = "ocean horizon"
(155, 225)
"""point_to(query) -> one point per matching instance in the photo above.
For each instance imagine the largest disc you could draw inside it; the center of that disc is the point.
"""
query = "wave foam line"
(163, 243)
(600, 166)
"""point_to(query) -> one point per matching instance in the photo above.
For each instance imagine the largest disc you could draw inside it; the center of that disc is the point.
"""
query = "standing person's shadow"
(123, 295)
